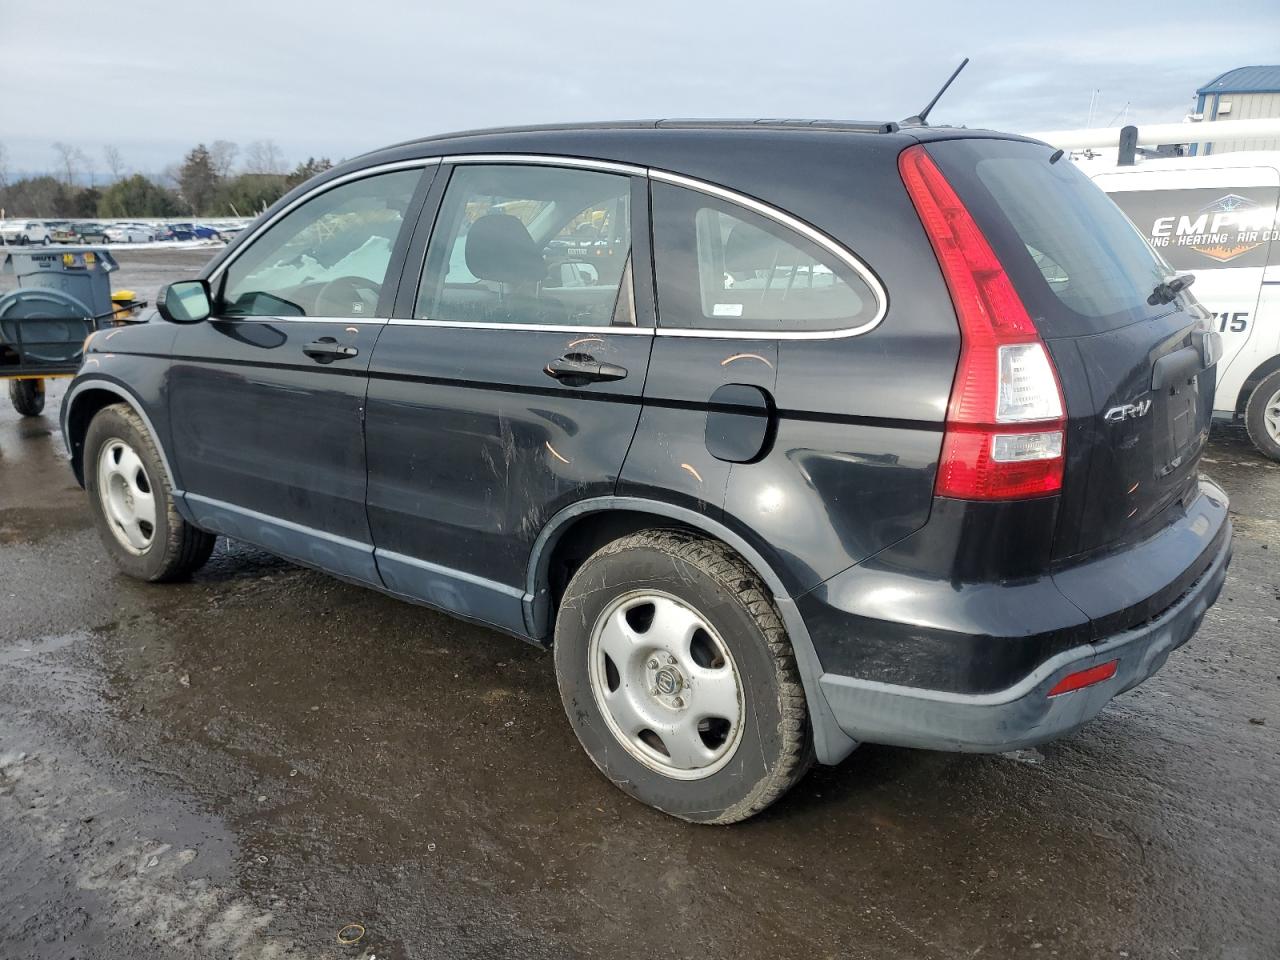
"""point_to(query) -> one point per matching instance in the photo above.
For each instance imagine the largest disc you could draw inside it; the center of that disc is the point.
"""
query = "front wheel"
(132, 502)
(27, 396)
(678, 678)
(1262, 416)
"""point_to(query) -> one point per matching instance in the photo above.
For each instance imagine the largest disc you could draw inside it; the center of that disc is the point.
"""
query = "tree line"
(209, 182)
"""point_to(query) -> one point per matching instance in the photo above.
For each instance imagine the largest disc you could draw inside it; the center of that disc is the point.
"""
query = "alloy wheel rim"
(1271, 416)
(127, 496)
(666, 684)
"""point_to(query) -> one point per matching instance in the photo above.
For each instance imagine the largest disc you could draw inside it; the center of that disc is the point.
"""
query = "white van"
(1216, 217)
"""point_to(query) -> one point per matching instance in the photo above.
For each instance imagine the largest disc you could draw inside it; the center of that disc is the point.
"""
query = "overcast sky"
(337, 77)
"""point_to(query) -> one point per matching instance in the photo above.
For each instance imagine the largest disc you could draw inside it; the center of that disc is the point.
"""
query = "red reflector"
(1085, 678)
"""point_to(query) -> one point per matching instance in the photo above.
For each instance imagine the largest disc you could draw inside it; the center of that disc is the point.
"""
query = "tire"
(27, 397)
(121, 457)
(46, 241)
(738, 766)
(1264, 405)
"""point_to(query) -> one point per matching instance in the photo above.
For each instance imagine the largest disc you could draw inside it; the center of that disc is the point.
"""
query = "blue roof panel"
(1263, 79)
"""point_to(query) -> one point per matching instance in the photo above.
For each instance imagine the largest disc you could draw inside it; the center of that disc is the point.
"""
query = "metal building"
(1245, 93)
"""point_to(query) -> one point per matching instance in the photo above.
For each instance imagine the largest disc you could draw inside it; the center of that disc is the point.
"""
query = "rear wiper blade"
(1168, 291)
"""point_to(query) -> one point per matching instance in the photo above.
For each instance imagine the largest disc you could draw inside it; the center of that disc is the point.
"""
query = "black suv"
(784, 435)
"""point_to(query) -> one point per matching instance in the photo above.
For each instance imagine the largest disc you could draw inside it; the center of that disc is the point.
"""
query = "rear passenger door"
(508, 383)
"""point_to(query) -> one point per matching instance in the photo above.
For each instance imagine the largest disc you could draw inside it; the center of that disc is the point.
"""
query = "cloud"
(328, 77)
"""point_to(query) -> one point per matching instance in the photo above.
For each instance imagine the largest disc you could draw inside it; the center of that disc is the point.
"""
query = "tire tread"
(186, 548)
(729, 570)
(1253, 416)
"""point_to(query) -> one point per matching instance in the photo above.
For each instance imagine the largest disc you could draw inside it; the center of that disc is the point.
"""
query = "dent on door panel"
(472, 447)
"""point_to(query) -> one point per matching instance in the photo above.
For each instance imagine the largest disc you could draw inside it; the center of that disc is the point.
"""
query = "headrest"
(749, 248)
(500, 248)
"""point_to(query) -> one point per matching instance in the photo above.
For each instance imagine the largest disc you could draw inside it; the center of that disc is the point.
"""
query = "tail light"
(1005, 429)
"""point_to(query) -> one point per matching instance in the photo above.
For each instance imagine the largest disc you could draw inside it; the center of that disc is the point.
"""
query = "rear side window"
(1077, 261)
(723, 267)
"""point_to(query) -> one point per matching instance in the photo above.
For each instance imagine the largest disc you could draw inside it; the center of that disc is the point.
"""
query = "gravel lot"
(240, 765)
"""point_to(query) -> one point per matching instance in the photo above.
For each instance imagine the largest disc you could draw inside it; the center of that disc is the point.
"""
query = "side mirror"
(576, 273)
(186, 301)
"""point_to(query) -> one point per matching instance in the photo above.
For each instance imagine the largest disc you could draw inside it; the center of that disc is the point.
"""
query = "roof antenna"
(920, 119)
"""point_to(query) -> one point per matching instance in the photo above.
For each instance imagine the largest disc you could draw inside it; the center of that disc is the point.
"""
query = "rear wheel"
(132, 502)
(1262, 416)
(677, 677)
(27, 396)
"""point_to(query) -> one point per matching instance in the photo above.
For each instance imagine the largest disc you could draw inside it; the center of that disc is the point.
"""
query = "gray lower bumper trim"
(1022, 714)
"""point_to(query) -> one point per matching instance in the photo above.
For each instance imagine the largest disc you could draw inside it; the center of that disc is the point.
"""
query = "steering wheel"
(352, 297)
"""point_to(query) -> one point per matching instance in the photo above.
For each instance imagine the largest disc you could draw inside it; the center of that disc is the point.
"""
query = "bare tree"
(68, 161)
(115, 162)
(4, 166)
(263, 156)
(223, 154)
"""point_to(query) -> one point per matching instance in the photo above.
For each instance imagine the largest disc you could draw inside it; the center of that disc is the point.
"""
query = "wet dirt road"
(238, 766)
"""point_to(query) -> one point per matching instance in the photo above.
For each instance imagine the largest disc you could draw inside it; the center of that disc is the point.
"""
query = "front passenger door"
(266, 398)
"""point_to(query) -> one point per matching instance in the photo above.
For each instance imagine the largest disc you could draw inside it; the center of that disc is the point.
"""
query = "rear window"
(1079, 264)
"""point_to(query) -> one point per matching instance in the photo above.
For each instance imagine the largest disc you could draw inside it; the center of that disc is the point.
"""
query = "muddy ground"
(238, 766)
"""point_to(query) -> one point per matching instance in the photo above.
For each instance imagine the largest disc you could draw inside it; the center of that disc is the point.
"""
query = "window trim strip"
(798, 226)
(652, 173)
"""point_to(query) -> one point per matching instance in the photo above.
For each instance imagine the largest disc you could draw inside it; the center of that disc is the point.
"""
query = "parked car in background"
(64, 232)
(130, 233)
(26, 231)
(92, 233)
(191, 231)
(229, 231)
(1215, 217)
(776, 459)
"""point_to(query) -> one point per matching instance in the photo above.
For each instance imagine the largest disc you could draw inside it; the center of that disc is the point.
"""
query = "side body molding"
(831, 744)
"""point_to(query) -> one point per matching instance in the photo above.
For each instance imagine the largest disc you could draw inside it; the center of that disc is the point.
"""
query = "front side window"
(530, 245)
(327, 258)
(723, 267)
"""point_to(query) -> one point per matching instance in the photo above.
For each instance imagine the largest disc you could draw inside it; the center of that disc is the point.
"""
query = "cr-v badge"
(1128, 411)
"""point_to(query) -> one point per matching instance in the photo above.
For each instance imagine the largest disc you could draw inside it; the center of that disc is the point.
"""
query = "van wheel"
(1262, 416)
(27, 396)
(132, 501)
(678, 678)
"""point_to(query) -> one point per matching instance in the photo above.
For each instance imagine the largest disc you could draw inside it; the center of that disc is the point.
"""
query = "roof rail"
(848, 126)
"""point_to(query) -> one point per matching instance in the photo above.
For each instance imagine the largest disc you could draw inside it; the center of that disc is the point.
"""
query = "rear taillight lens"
(1006, 418)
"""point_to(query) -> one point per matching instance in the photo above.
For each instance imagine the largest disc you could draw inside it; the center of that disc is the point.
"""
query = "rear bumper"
(1022, 714)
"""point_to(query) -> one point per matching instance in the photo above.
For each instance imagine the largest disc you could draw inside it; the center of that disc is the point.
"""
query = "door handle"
(327, 349)
(576, 369)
